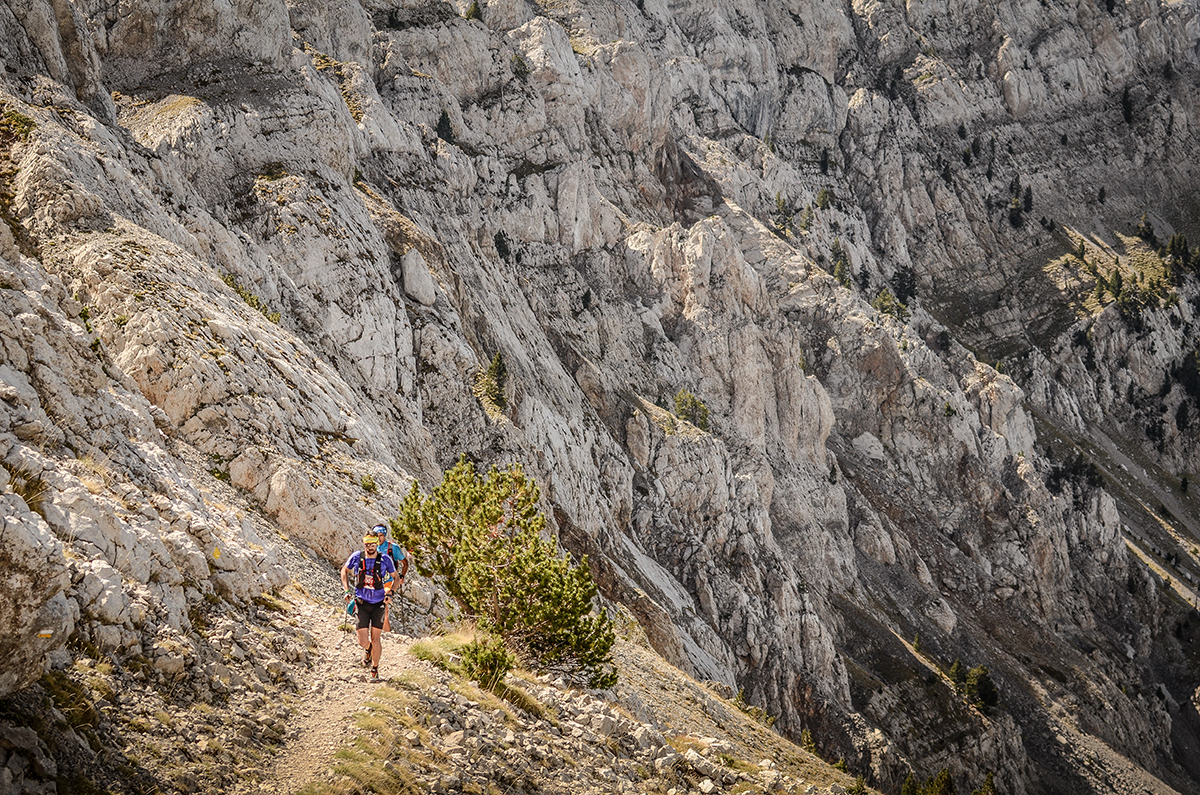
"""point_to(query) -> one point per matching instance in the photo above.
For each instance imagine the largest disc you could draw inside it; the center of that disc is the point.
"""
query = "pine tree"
(498, 374)
(989, 786)
(979, 687)
(444, 130)
(691, 408)
(958, 674)
(910, 787)
(481, 538)
(1014, 213)
(887, 304)
(841, 262)
(805, 220)
(806, 738)
(1145, 230)
(941, 784)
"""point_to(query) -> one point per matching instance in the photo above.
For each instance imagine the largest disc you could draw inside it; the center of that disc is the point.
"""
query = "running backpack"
(376, 576)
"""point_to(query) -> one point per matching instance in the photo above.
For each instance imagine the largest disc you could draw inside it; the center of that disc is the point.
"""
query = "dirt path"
(330, 693)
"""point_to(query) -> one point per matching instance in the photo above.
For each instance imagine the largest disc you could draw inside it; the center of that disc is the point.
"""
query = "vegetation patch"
(757, 713)
(886, 303)
(252, 300)
(487, 661)
(15, 126)
(271, 602)
(691, 409)
(481, 537)
(72, 699)
(520, 67)
(341, 72)
(489, 389)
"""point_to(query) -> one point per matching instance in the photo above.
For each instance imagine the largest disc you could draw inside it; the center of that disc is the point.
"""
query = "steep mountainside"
(257, 256)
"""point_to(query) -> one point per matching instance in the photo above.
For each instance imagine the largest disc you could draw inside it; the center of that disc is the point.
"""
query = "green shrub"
(252, 300)
(16, 125)
(692, 409)
(480, 537)
(824, 198)
(806, 741)
(489, 388)
(980, 689)
(473, 11)
(958, 674)
(858, 788)
(487, 661)
(886, 303)
(368, 484)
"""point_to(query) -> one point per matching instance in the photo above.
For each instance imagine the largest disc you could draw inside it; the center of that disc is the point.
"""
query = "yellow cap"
(370, 538)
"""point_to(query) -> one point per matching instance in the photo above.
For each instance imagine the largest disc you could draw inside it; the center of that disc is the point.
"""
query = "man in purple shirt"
(373, 581)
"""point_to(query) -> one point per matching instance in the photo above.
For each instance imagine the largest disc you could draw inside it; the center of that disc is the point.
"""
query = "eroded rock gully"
(254, 257)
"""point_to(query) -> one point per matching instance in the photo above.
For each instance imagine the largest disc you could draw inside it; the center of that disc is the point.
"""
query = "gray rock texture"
(255, 256)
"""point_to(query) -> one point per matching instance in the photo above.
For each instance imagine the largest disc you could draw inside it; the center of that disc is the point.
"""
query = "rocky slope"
(256, 256)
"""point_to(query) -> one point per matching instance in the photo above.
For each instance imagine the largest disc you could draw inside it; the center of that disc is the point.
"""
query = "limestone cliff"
(256, 255)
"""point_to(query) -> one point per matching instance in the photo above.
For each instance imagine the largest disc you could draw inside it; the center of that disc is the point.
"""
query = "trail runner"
(371, 595)
(400, 559)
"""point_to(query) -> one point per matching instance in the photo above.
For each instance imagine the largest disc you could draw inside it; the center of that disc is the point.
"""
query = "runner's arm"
(346, 577)
(389, 578)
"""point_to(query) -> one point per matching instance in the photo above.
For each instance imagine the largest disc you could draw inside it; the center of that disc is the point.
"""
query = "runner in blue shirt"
(371, 594)
(400, 558)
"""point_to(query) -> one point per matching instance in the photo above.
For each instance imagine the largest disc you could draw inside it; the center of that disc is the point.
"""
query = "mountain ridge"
(614, 199)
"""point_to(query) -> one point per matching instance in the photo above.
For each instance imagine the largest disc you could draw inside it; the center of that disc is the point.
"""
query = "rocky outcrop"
(280, 269)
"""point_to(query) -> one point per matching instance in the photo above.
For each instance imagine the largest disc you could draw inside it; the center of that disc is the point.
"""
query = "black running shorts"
(370, 614)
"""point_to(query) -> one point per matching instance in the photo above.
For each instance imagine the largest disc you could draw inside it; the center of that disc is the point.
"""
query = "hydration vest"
(375, 578)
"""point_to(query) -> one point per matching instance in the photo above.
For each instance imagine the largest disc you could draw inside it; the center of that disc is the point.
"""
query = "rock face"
(268, 247)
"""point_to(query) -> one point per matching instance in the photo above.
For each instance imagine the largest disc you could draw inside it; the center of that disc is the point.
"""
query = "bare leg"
(376, 646)
(364, 637)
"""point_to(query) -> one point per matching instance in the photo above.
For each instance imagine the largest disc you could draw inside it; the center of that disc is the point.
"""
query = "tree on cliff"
(481, 538)
(979, 688)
